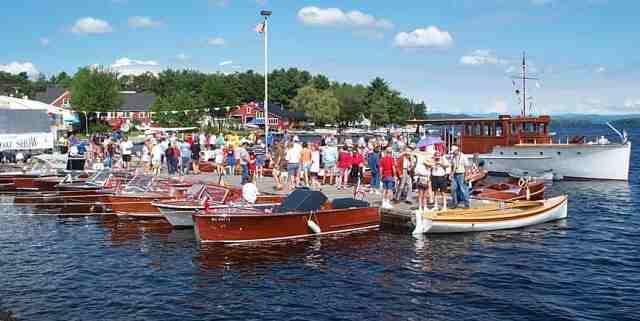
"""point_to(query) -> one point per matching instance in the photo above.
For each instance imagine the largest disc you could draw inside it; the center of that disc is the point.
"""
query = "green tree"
(321, 106)
(218, 92)
(352, 102)
(377, 101)
(63, 80)
(320, 82)
(179, 109)
(95, 90)
(284, 84)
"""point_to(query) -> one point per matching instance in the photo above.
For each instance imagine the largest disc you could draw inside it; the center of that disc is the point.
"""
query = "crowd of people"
(394, 167)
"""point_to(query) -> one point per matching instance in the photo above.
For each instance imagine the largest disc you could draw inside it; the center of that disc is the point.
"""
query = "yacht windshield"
(215, 194)
(99, 178)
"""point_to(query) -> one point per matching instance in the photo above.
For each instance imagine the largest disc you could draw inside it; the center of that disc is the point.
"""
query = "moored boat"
(511, 190)
(179, 212)
(135, 199)
(491, 215)
(303, 213)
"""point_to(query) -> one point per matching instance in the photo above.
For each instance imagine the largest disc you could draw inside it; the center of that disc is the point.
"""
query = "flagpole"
(266, 15)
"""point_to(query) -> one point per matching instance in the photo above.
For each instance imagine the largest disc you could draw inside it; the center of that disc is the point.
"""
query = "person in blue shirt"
(185, 154)
(373, 162)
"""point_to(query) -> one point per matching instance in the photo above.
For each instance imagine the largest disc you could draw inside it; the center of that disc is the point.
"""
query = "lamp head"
(265, 13)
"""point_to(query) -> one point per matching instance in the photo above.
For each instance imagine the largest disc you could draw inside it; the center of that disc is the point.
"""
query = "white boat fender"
(418, 230)
(313, 225)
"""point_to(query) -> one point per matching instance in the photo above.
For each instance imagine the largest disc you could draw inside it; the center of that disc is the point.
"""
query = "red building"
(253, 114)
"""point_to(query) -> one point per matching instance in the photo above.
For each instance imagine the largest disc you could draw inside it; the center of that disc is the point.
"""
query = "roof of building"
(50, 94)
(137, 102)
(279, 110)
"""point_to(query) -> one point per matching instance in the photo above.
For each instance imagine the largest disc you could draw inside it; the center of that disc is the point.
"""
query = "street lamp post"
(266, 14)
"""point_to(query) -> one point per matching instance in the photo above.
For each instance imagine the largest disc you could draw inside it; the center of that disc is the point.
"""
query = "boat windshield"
(139, 184)
(194, 191)
(216, 194)
(99, 178)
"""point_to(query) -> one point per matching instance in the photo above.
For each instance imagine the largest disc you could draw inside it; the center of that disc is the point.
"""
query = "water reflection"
(312, 252)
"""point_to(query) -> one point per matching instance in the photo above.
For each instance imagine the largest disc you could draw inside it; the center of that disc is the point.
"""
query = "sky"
(455, 55)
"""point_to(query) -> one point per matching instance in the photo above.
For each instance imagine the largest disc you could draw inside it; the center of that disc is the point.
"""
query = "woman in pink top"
(344, 166)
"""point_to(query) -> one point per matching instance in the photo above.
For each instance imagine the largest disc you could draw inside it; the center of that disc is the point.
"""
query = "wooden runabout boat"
(86, 196)
(50, 183)
(492, 215)
(47, 187)
(511, 190)
(303, 213)
(135, 199)
(179, 212)
(25, 180)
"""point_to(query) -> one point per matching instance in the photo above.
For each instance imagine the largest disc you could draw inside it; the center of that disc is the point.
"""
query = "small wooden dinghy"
(490, 215)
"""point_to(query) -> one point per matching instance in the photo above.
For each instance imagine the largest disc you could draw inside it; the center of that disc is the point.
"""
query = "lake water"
(586, 267)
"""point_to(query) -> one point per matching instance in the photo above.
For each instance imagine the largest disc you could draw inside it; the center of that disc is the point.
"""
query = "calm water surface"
(584, 268)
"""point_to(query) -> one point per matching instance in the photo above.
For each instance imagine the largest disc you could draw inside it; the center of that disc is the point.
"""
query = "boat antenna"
(524, 79)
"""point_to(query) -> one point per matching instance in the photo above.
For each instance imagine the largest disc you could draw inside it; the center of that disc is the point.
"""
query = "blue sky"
(456, 55)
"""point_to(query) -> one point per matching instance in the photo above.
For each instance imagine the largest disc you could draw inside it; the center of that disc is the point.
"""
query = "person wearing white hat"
(459, 164)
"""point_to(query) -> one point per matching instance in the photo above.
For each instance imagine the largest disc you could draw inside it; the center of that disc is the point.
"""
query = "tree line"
(96, 89)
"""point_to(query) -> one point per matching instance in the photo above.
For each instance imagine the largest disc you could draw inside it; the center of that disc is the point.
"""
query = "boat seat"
(342, 203)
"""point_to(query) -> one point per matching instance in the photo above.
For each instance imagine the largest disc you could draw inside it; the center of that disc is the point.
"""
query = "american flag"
(260, 28)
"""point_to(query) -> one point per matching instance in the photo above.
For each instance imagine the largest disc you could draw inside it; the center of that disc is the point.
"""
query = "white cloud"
(481, 57)
(142, 22)
(632, 104)
(430, 37)
(45, 42)
(601, 69)
(182, 57)
(331, 17)
(126, 66)
(91, 25)
(17, 67)
(216, 41)
(226, 62)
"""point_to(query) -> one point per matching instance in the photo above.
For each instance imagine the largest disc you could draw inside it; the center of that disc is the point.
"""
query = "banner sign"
(26, 141)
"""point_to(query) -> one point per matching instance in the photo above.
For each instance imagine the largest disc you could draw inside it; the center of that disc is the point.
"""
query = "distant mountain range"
(568, 119)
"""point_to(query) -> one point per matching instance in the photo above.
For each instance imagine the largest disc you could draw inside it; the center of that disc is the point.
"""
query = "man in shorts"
(329, 159)
(126, 149)
(387, 169)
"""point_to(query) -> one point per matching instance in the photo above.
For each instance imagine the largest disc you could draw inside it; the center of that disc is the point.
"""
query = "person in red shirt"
(344, 166)
(357, 164)
(252, 164)
(387, 169)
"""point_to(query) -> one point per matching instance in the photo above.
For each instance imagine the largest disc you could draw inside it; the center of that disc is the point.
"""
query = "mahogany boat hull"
(135, 206)
(237, 228)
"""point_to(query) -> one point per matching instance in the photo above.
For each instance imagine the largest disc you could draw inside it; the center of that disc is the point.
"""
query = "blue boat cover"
(302, 200)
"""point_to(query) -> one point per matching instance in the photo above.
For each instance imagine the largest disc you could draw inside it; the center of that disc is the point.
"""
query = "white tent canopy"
(24, 124)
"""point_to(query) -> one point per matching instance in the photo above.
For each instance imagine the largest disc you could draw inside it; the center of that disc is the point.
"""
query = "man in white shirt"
(126, 149)
(459, 188)
(202, 138)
